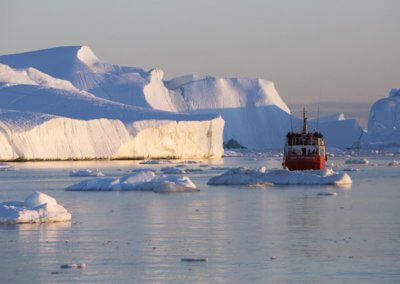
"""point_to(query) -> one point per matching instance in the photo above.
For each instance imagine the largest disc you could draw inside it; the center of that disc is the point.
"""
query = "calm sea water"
(132, 237)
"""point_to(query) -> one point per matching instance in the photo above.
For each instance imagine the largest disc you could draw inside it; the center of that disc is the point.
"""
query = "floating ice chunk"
(361, 161)
(37, 208)
(172, 170)
(141, 180)
(245, 176)
(74, 265)
(143, 169)
(194, 170)
(86, 173)
(155, 162)
(181, 166)
(6, 167)
(191, 162)
(219, 168)
(187, 259)
(326, 193)
(351, 170)
(394, 163)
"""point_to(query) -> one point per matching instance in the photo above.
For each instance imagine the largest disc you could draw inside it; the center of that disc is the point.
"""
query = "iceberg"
(140, 181)
(245, 176)
(384, 123)
(36, 208)
(188, 113)
(48, 123)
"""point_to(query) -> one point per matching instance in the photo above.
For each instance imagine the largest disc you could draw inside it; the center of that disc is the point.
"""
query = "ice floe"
(86, 173)
(394, 163)
(351, 169)
(173, 170)
(357, 161)
(155, 162)
(6, 167)
(245, 176)
(36, 208)
(141, 181)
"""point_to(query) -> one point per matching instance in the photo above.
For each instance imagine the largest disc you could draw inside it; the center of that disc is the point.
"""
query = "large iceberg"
(43, 117)
(384, 122)
(139, 180)
(245, 176)
(36, 208)
(72, 82)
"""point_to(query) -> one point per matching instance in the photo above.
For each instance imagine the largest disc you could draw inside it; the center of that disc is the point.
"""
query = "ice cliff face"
(35, 136)
(43, 117)
(384, 122)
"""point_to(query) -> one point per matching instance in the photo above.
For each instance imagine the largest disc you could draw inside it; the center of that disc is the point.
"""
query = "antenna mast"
(304, 121)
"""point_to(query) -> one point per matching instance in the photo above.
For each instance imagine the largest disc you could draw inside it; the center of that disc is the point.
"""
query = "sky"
(313, 50)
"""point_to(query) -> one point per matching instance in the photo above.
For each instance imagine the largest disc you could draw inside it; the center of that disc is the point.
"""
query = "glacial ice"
(246, 105)
(140, 180)
(245, 176)
(36, 208)
(44, 102)
(384, 122)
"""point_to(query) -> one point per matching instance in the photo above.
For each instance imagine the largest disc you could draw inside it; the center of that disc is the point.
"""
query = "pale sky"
(328, 50)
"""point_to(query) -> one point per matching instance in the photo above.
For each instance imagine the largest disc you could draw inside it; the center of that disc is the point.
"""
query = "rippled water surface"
(131, 237)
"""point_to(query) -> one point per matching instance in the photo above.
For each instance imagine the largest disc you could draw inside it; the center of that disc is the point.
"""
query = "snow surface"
(245, 176)
(86, 173)
(384, 122)
(36, 208)
(140, 180)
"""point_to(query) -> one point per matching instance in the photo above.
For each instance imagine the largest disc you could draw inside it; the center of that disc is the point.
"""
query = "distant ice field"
(278, 233)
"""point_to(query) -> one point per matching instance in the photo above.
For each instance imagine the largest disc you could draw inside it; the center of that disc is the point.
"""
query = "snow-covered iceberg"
(245, 176)
(384, 122)
(140, 180)
(36, 208)
(48, 118)
(72, 82)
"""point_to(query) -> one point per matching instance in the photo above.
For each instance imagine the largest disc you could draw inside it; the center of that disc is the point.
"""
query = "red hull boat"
(305, 150)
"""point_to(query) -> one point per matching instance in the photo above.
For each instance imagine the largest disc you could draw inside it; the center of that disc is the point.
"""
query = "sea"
(241, 234)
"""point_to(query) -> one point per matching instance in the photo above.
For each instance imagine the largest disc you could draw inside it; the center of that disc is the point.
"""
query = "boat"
(304, 150)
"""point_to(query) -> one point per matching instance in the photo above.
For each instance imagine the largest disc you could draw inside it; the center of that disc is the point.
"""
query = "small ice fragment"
(172, 170)
(74, 265)
(351, 170)
(6, 167)
(219, 168)
(205, 259)
(155, 162)
(325, 193)
(86, 173)
(394, 163)
(260, 184)
(361, 161)
(194, 170)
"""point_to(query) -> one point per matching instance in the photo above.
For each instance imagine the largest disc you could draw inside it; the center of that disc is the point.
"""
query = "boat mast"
(304, 122)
